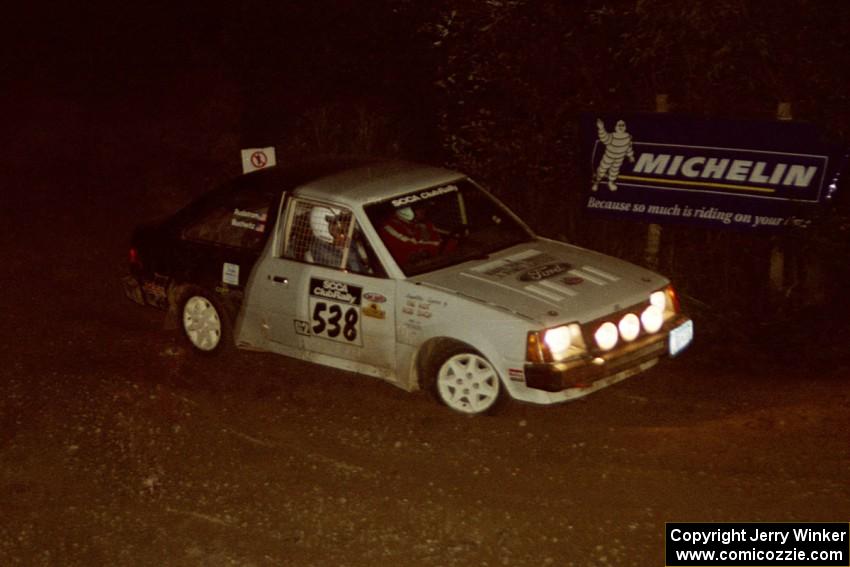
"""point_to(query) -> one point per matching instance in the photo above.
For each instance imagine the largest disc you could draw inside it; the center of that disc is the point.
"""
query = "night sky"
(275, 60)
(499, 71)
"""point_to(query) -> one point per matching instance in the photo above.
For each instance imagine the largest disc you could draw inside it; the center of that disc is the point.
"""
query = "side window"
(230, 226)
(300, 237)
(328, 235)
(240, 221)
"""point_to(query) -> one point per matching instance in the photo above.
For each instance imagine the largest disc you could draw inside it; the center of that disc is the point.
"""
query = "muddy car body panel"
(323, 263)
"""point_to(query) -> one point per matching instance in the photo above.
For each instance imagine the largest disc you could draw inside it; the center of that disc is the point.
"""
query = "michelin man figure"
(618, 145)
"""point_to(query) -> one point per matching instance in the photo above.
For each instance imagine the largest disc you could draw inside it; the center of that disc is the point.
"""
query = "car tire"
(204, 322)
(462, 379)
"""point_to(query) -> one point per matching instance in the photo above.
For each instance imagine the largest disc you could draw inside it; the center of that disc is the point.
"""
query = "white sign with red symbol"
(254, 159)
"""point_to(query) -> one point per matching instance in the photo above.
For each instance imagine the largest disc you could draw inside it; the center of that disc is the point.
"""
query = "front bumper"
(584, 372)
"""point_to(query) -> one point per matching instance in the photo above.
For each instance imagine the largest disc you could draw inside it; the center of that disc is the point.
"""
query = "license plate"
(680, 337)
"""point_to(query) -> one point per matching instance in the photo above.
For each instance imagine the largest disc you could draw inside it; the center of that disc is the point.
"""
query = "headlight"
(663, 304)
(658, 299)
(606, 336)
(555, 344)
(629, 327)
(665, 299)
(558, 340)
(652, 318)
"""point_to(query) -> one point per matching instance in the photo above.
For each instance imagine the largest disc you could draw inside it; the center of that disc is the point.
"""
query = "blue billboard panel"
(664, 168)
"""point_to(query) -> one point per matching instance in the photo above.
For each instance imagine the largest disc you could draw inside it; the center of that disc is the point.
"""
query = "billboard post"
(653, 231)
(776, 274)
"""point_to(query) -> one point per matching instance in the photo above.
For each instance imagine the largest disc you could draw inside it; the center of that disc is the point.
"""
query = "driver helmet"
(406, 214)
(321, 218)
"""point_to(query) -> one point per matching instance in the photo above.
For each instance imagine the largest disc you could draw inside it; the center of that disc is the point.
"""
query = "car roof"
(357, 181)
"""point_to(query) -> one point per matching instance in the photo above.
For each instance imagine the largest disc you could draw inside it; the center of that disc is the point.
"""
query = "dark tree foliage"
(513, 76)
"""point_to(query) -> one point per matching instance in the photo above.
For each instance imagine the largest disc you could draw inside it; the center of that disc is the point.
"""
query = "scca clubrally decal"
(336, 291)
(335, 310)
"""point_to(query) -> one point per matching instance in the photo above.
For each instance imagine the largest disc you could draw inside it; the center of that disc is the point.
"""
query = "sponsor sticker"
(302, 327)
(336, 291)
(422, 195)
(259, 216)
(249, 220)
(508, 267)
(230, 273)
(374, 310)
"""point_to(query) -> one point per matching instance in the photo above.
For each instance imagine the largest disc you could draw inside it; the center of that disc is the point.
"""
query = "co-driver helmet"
(321, 218)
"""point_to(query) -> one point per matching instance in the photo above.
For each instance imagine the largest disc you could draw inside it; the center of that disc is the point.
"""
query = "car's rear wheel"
(204, 322)
(464, 380)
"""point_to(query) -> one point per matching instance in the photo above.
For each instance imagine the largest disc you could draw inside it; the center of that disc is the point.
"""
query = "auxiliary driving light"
(629, 327)
(652, 318)
(606, 336)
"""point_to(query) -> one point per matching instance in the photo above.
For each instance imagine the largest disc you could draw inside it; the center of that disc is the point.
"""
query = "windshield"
(442, 226)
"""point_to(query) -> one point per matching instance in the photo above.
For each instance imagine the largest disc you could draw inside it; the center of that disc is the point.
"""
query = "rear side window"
(239, 219)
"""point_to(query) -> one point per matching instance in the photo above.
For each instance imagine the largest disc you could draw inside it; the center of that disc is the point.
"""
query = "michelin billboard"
(732, 174)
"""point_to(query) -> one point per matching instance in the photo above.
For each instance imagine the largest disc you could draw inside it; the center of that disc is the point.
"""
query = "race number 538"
(335, 321)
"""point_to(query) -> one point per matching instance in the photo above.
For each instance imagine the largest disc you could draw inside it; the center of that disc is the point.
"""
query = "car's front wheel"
(204, 322)
(465, 381)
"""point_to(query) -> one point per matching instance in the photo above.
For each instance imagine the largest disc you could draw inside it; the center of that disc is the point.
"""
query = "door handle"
(279, 279)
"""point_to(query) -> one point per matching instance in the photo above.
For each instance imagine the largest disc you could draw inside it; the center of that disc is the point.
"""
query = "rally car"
(410, 273)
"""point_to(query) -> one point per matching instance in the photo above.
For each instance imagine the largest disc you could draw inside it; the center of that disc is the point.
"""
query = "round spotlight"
(629, 327)
(658, 299)
(652, 318)
(606, 336)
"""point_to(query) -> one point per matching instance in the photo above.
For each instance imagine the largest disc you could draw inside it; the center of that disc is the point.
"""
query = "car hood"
(548, 282)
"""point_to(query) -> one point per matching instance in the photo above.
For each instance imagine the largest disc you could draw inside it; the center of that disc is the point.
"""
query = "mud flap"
(132, 289)
(172, 315)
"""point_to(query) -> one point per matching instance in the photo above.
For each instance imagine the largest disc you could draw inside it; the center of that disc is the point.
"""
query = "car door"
(344, 305)
(350, 317)
(271, 309)
(314, 304)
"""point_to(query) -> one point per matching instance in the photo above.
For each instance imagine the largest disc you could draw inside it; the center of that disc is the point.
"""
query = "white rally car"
(410, 273)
